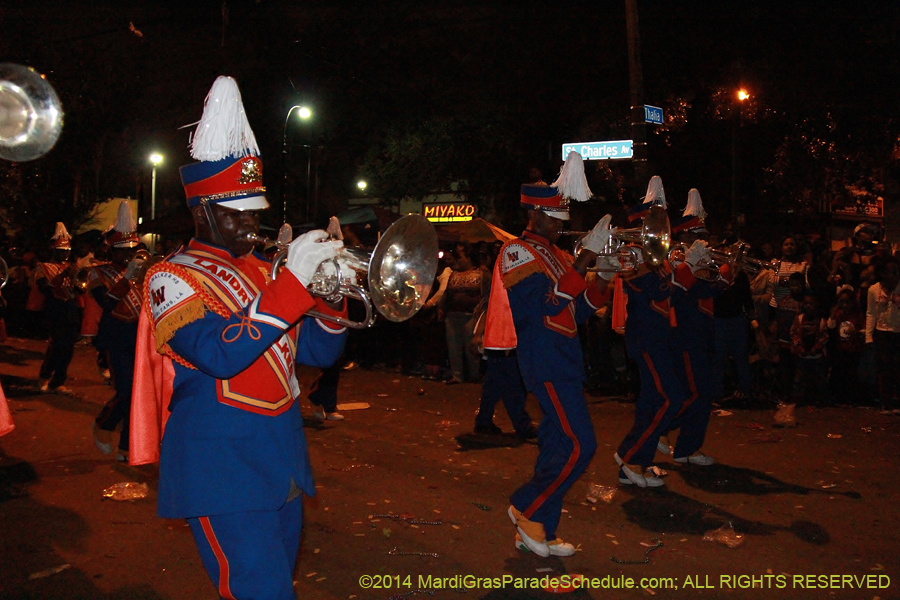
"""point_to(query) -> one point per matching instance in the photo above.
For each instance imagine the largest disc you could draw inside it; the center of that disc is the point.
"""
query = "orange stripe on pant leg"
(659, 413)
(691, 383)
(573, 457)
(224, 588)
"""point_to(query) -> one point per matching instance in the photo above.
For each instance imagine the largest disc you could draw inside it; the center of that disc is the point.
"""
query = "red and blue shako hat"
(655, 196)
(61, 239)
(693, 219)
(229, 172)
(124, 232)
(554, 199)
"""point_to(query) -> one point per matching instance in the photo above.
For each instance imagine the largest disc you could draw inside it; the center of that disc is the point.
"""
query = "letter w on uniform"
(512, 256)
(159, 296)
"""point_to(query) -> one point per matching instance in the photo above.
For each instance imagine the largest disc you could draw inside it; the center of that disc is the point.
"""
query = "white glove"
(133, 267)
(308, 251)
(599, 236)
(697, 256)
(609, 266)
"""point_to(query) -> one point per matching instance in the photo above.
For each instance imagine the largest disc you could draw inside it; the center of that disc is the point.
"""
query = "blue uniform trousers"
(730, 338)
(251, 555)
(323, 391)
(566, 444)
(693, 418)
(120, 354)
(662, 397)
(502, 380)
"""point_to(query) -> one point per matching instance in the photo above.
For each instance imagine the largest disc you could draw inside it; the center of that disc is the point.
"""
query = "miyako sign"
(441, 212)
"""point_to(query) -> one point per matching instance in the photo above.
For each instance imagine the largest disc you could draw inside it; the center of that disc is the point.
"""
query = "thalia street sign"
(653, 114)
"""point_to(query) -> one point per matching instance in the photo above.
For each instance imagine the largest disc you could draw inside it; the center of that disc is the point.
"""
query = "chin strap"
(213, 225)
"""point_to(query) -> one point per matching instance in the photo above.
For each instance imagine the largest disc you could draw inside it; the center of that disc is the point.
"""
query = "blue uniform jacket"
(234, 441)
(548, 300)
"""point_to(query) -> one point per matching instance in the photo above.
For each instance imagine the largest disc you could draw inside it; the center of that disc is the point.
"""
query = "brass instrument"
(81, 279)
(146, 261)
(399, 271)
(31, 115)
(734, 255)
(651, 243)
(4, 273)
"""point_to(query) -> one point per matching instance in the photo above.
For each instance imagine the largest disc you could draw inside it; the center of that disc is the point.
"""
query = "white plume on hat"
(124, 219)
(61, 232)
(655, 192)
(572, 182)
(694, 205)
(224, 130)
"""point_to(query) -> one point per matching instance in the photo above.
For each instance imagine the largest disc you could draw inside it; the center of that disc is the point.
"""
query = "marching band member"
(694, 335)
(112, 287)
(233, 458)
(548, 297)
(650, 338)
(62, 306)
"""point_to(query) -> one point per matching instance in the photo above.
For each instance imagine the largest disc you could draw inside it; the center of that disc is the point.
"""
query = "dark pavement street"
(407, 475)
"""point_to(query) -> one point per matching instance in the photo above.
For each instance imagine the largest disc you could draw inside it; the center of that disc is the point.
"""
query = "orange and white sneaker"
(557, 547)
(531, 533)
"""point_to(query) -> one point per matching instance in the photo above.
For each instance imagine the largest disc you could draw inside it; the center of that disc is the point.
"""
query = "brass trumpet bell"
(651, 240)
(399, 272)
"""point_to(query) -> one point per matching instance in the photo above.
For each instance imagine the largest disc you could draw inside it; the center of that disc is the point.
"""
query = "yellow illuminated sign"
(448, 213)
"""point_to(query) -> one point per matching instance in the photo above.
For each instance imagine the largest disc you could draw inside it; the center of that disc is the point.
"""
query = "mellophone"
(399, 271)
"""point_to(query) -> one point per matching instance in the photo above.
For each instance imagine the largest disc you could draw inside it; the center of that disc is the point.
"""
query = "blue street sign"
(599, 150)
(653, 114)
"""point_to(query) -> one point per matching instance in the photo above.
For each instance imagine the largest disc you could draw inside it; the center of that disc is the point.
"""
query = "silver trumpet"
(734, 255)
(648, 243)
(399, 272)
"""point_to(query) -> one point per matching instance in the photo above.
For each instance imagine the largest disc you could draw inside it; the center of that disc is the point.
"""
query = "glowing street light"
(155, 159)
(361, 185)
(304, 113)
(743, 94)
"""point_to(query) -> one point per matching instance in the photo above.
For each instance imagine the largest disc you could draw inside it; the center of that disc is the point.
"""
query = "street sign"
(600, 150)
(653, 114)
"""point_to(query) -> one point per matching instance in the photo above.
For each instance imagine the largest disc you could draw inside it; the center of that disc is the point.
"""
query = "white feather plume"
(655, 192)
(223, 130)
(694, 205)
(124, 219)
(61, 232)
(572, 182)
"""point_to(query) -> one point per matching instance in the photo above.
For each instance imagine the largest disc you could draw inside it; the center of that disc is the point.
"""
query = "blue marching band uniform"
(234, 455)
(549, 299)
(218, 343)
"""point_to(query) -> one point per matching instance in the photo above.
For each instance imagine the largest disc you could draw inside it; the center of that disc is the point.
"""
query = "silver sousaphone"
(31, 115)
(398, 273)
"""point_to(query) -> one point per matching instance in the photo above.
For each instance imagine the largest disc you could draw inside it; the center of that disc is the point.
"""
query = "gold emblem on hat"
(250, 172)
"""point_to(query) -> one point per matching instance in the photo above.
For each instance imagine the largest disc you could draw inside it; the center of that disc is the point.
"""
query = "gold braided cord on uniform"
(187, 313)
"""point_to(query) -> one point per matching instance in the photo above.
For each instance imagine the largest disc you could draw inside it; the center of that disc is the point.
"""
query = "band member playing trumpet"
(653, 289)
(233, 458)
(55, 280)
(694, 335)
(115, 289)
(548, 298)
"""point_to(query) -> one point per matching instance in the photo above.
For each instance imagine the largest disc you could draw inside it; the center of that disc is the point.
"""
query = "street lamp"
(361, 185)
(742, 95)
(304, 113)
(156, 159)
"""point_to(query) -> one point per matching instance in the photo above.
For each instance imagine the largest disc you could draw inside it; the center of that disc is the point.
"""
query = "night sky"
(414, 96)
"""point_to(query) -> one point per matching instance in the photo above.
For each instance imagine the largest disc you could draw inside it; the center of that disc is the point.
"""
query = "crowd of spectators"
(802, 324)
